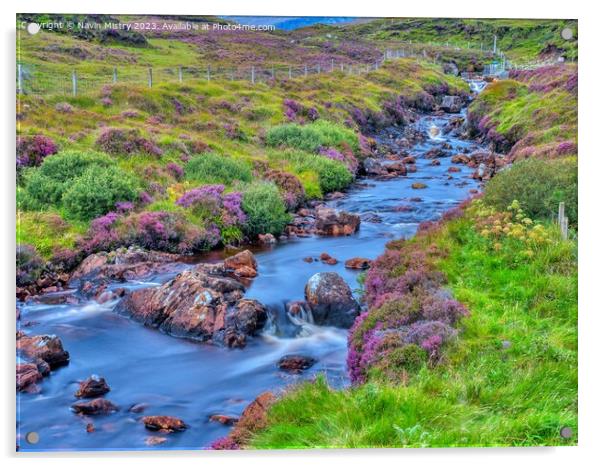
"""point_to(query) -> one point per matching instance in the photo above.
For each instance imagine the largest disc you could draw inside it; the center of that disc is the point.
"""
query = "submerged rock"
(224, 419)
(95, 406)
(92, 387)
(165, 424)
(295, 363)
(331, 300)
(201, 304)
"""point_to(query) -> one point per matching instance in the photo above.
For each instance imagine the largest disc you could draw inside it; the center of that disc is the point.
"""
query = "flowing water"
(193, 381)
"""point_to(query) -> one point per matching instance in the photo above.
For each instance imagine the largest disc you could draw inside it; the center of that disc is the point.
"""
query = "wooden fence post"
(331, 64)
(19, 79)
(252, 75)
(115, 75)
(273, 73)
(74, 83)
(208, 72)
(305, 70)
(563, 221)
(150, 77)
(290, 71)
(180, 77)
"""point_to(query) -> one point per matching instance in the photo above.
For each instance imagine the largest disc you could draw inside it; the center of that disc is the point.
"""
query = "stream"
(193, 381)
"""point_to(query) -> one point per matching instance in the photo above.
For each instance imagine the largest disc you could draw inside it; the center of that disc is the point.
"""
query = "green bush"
(47, 184)
(332, 174)
(539, 185)
(313, 136)
(265, 209)
(214, 168)
(96, 192)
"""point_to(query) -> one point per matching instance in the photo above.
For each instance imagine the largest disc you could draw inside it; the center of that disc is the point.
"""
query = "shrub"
(214, 168)
(47, 184)
(312, 137)
(32, 150)
(332, 174)
(124, 141)
(265, 209)
(97, 191)
(538, 185)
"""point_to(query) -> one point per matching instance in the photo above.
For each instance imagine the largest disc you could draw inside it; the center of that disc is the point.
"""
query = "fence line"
(36, 80)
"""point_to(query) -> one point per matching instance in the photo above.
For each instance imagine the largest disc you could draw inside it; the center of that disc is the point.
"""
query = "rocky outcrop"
(28, 375)
(203, 304)
(331, 300)
(331, 222)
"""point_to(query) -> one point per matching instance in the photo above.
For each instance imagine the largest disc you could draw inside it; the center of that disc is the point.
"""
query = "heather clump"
(298, 113)
(29, 265)
(32, 150)
(125, 141)
(212, 206)
(290, 187)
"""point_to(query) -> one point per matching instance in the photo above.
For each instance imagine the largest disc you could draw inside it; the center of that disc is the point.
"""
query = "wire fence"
(45, 80)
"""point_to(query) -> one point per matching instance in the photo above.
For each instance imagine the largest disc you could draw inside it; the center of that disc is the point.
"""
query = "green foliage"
(332, 174)
(47, 184)
(214, 168)
(510, 380)
(265, 209)
(538, 185)
(96, 192)
(312, 136)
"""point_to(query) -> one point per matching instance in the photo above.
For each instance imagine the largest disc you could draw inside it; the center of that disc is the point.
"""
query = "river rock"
(268, 238)
(122, 264)
(242, 264)
(373, 167)
(92, 387)
(295, 363)
(418, 185)
(166, 424)
(358, 263)
(397, 168)
(27, 377)
(331, 300)
(453, 170)
(201, 304)
(93, 407)
(435, 152)
(224, 419)
(48, 348)
(460, 158)
(330, 222)
(451, 104)
(253, 418)
(328, 259)
(409, 160)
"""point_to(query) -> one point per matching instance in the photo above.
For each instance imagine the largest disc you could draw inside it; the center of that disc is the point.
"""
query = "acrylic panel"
(295, 232)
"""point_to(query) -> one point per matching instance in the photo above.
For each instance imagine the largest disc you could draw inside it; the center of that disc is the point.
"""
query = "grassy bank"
(509, 378)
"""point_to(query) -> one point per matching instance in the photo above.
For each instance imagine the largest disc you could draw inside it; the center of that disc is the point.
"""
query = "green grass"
(481, 394)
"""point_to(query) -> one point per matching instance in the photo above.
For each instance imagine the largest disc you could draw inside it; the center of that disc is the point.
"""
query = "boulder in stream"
(242, 264)
(48, 348)
(92, 387)
(95, 406)
(166, 424)
(451, 104)
(331, 222)
(295, 363)
(331, 300)
(358, 263)
(202, 304)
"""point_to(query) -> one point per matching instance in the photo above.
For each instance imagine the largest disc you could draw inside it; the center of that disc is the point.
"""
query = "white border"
(590, 322)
